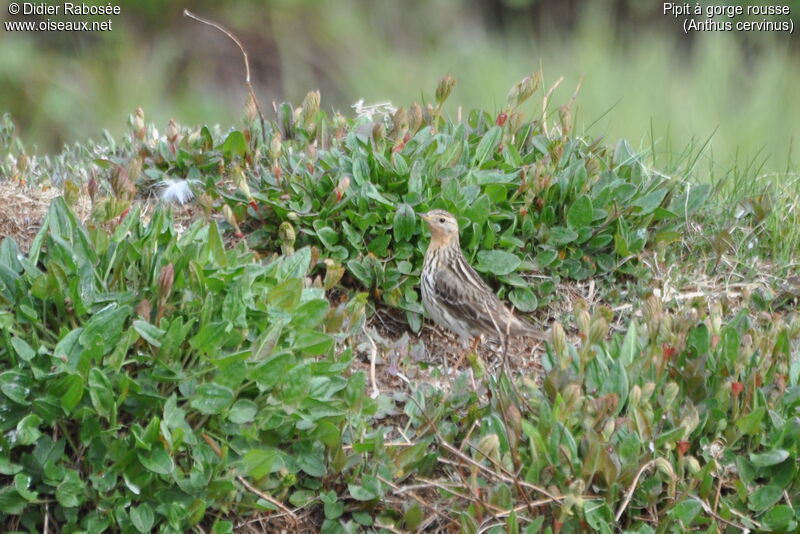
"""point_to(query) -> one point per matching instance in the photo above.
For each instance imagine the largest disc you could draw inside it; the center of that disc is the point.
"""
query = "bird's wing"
(460, 290)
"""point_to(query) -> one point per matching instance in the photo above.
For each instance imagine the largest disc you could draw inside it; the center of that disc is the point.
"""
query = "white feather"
(176, 191)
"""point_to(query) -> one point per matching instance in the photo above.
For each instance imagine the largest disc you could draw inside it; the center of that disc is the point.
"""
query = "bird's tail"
(525, 329)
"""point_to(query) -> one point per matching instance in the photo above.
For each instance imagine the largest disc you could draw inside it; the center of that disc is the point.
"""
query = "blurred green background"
(642, 78)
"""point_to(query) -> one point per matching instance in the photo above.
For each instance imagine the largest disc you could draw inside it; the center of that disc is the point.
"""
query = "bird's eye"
(441, 220)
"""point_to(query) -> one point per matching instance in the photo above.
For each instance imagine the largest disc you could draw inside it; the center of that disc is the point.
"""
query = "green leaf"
(22, 348)
(649, 202)
(260, 462)
(312, 343)
(750, 424)
(286, 295)
(630, 345)
(772, 457)
(486, 177)
(302, 497)
(142, 518)
(210, 337)
(22, 483)
(363, 518)
(523, 299)
(487, 145)
(600, 241)
(360, 170)
(28, 429)
(328, 236)
(580, 213)
(210, 398)
(780, 518)
(685, 511)
(73, 392)
(11, 502)
(617, 382)
(333, 507)
(101, 393)
(312, 463)
(380, 245)
(560, 236)
(149, 332)
(9, 252)
(360, 493)
(13, 385)
(311, 313)
(214, 246)
(764, 498)
(699, 339)
(107, 325)
(70, 493)
(413, 517)
(294, 266)
(207, 139)
(690, 201)
(468, 523)
(268, 373)
(545, 258)
(235, 145)
(222, 527)
(599, 516)
(69, 349)
(621, 245)
(243, 411)
(328, 433)
(157, 460)
(729, 344)
(404, 223)
(497, 262)
(478, 210)
(362, 272)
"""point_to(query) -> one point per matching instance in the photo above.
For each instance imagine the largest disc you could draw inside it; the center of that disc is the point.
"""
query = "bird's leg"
(475, 342)
(470, 350)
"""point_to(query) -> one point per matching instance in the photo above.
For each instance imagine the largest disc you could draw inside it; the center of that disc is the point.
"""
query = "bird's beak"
(425, 217)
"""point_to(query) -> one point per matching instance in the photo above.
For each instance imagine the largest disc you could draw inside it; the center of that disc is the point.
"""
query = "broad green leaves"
(497, 262)
(580, 214)
(212, 398)
(404, 223)
(162, 386)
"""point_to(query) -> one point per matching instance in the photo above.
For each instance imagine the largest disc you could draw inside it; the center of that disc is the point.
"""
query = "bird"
(454, 294)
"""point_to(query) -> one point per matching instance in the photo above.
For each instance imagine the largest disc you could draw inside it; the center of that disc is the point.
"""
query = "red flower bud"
(501, 118)
(123, 215)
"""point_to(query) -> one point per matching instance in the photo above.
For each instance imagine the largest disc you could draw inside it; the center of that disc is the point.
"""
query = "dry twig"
(233, 38)
(373, 355)
(545, 101)
(632, 488)
(292, 517)
(409, 489)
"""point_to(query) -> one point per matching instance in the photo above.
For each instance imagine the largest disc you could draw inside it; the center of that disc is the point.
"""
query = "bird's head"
(443, 227)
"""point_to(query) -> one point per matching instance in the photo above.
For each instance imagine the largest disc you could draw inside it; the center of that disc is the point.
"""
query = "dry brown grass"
(22, 209)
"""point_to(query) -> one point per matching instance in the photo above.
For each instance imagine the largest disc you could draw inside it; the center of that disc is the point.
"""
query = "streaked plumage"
(455, 296)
